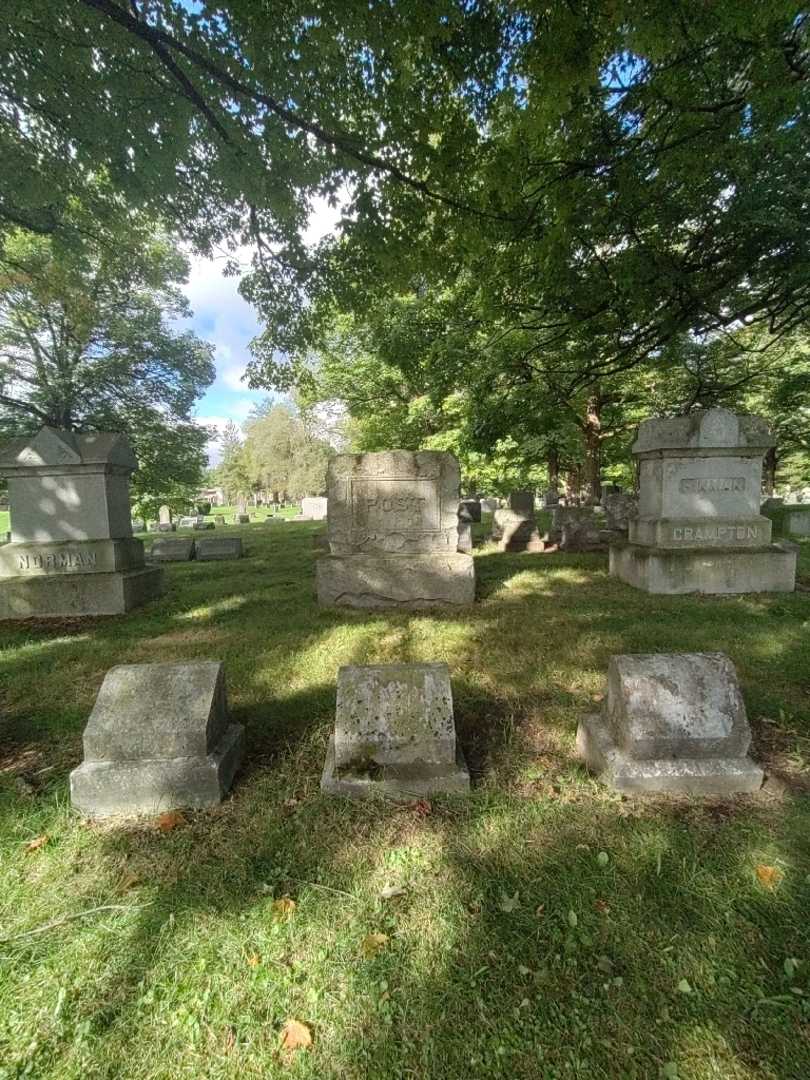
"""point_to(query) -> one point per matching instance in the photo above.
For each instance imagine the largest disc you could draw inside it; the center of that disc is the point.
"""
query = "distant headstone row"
(204, 549)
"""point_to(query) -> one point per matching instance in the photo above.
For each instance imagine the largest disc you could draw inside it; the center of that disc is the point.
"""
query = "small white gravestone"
(671, 723)
(699, 527)
(72, 551)
(515, 527)
(394, 733)
(314, 508)
(158, 738)
(393, 532)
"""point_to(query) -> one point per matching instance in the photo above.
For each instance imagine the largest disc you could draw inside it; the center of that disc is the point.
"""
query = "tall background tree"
(87, 343)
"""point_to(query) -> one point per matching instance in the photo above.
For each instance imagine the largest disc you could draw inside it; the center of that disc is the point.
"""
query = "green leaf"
(603, 858)
(684, 987)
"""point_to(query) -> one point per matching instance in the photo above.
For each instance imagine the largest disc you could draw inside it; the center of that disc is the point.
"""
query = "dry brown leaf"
(295, 1036)
(768, 876)
(253, 960)
(37, 843)
(540, 911)
(172, 819)
(230, 1040)
(602, 906)
(420, 807)
(284, 907)
(128, 880)
(372, 943)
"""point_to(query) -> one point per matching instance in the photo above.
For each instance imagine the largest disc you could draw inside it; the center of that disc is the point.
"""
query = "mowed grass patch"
(544, 927)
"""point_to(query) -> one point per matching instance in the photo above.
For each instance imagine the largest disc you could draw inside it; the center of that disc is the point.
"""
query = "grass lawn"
(546, 928)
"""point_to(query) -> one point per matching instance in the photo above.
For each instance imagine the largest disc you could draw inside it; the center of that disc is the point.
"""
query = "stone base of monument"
(705, 570)
(671, 723)
(394, 733)
(395, 581)
(685, 776)
(63, 595)
(416, 780)
(158, 738)
(104, 788)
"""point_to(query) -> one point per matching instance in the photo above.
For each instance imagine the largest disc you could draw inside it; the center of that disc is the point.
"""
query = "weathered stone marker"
(515, 526)
(797, 521)
(469, 510)
(393, 532)
(72, 551)
(158, 738)
(172, 549)
(698, 527)
(218, 547)
(671, 722)
(394, 733)
(314, 508)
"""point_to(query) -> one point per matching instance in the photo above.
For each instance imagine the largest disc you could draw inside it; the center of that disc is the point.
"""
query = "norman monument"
(72, 551)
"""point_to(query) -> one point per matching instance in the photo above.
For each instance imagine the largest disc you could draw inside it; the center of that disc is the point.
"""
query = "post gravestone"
(394, 733)
(393, 532)
(698, 527)
(159, 737)
(72, 551)
(671, 723)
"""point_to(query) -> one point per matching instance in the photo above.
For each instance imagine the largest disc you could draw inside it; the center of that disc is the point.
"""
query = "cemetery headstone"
(551, 498)
(314, 508)
(219, 547)
(698, 527)
(470, 508)
(515, 526)
(488, 506)
(394, 733)
(138, 525)
(219, 519)
(158, 738)
(243, 519)
(393, 532)
(165, 516)
(671, 723)
(797, 521)
(172, 549)
(72, 551)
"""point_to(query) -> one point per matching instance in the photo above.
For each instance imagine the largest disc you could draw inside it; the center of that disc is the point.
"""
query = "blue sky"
(229, 323)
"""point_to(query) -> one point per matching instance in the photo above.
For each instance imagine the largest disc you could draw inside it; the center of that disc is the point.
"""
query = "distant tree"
(86, 343)
(232, 472)
(283, 458)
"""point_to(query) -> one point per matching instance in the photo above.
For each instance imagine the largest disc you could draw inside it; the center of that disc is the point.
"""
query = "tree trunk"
(553, 465)
(592, 441)
(769, 471)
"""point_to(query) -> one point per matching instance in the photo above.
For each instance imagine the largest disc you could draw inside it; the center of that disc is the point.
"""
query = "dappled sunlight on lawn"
(212, 610)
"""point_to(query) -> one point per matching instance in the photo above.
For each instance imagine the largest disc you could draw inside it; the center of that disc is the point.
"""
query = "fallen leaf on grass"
(37, 843)
(254, 960)
(540, 911)
(768, 876)
(295, 1036)
(421, 807)
(684, 987)
(602, 906)
(388, 892)
(284, 907)
(509, 903)
(372, 943)
(172, 819)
